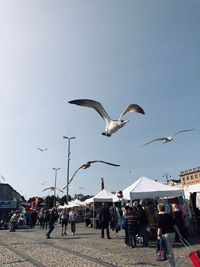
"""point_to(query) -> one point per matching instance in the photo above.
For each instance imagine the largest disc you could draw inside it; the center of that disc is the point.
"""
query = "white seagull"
(111, 125)
(168, 138)
(51, 188)
(41, 149)
(87, 165)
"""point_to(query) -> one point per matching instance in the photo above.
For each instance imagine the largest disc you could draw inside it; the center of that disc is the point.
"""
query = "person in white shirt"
(72, 220)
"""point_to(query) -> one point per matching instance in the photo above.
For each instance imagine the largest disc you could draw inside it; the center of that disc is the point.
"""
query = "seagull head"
(123, 122)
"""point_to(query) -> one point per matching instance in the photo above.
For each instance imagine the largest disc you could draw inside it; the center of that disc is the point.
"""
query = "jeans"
(169, 239)
(51, 227)
(73, 227)
(105, 225)
(131, 234)
(143, 233)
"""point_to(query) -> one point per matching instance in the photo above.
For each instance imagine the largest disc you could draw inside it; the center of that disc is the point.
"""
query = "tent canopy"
(148, 188)
(103, 196)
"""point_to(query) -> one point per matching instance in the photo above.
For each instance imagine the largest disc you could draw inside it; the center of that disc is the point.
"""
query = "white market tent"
(73, 204)
(148, 188)
(103, 196)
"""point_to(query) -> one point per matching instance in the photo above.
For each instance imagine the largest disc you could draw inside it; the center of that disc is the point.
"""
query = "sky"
(117, 53)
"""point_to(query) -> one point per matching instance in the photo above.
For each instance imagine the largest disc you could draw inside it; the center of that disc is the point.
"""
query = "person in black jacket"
(104, 218)
(166, 227)
(51, 220)
(143, 223)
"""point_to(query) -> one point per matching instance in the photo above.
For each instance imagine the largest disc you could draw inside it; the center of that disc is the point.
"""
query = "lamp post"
(56, 170)
(68, 160)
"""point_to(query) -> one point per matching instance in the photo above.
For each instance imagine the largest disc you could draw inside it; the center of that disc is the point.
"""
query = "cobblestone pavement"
(29, 247)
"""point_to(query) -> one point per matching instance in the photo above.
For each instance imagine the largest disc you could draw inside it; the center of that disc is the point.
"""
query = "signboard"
(8, 204)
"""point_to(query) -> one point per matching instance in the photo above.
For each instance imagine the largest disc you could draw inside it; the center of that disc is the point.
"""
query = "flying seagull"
(168, 138)
(41, 149)
(51, 188)
(2, 177)
(111, 125)
(87, 165)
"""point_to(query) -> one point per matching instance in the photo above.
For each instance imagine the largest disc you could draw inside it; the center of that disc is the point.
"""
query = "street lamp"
(68, 160)
(56, 170)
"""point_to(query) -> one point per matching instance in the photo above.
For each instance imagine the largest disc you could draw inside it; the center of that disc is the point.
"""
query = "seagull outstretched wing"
(51, 188)
(48, 188)
(41, 149)
(101, 161)
(92, 104)
(87, 165)
(2, 177)
(158, 139)
(182, 131)
(132, 108)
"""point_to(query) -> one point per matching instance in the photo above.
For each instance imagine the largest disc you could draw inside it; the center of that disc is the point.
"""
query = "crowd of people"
(170, 221)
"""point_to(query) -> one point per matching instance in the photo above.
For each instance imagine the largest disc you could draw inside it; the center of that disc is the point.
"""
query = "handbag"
(161, 254)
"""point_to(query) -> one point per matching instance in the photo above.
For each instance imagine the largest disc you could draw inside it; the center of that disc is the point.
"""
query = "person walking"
(51, 221)
(166, 228)
(72, 220)
(179, 220)
(64, 217)
(13, 221)
(131, 222)
(104, 218)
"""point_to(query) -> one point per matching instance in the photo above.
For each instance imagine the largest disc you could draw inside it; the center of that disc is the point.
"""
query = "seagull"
(111, 125)
(87, 165)
(2, 177)
(168, 138)
(41, 149)
(51, 188)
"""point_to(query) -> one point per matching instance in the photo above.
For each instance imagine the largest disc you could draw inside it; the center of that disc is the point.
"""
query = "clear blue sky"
(116, 52)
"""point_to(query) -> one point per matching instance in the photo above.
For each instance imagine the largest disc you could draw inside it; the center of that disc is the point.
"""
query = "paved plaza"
(29, 247)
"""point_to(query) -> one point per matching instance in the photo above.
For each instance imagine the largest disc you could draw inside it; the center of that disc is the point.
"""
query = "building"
(9, 200)
(191, 176)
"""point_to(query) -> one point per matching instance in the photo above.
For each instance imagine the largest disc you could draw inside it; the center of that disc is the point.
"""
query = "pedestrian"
(131, 222)
(166, 228)
(143, 223)
(64, 218)
(104, 218)
(124, 225)
(72, 220)
(13, 221)
(51, 221)
(179, 220)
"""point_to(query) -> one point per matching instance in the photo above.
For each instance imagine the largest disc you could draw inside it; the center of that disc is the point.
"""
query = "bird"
(42, 149)
(87, 165)
(111, 125)
(52, 188)
(168, 138)
(2, 177)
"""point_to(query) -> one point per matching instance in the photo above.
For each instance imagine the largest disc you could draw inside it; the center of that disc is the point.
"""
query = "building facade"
(191, 176)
